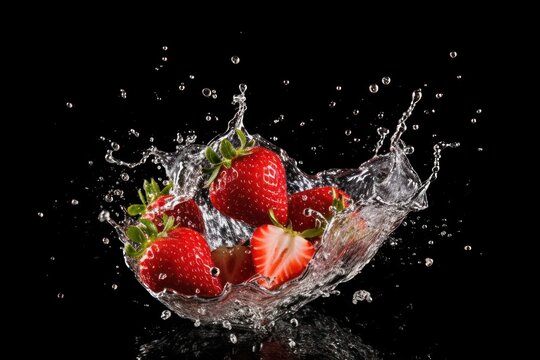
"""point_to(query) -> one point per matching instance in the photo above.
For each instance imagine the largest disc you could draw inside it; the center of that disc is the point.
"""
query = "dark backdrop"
(417, 312)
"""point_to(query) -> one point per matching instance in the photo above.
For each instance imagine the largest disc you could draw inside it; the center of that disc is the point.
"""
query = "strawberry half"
(235, 263)
(319, 199)
(157, 202)
(246, 182)
(176, 259)
(280, 253)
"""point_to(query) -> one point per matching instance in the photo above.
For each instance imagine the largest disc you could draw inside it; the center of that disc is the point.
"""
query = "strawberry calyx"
(152, 191)
(306, 234)
(338, 201)
(228, 154)
(144, 235)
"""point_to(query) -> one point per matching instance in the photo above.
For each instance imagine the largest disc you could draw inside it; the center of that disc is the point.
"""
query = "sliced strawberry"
(247, 182)
(177, 260)
(279, 254)
(156, 202)
(235, 263)
(319, 199)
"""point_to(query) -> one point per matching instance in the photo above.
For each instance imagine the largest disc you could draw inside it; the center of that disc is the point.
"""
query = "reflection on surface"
(308, 335)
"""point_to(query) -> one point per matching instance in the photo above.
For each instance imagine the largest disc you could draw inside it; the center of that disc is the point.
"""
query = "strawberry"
(247, 182)
(319, 199)
(235, 263)
(176, 259)
(280, 253)
(157, 202)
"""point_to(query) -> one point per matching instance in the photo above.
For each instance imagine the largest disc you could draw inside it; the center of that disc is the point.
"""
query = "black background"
(444, 311)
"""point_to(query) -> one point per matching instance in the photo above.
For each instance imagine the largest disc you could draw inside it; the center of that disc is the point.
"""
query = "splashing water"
(383, 190)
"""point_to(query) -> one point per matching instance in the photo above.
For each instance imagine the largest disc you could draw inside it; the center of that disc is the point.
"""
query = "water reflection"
(308, 335)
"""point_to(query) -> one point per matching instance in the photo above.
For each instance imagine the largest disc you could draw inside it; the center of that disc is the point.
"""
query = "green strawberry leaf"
(141, 196)
(227, 149)
(241, 137)
(212, 156)
(213, 176)
(155, 188)
(151, 229)
(274, 219)
(168, 222)
(311, 233)
(136, 235)
(136, 209)
(167, 189)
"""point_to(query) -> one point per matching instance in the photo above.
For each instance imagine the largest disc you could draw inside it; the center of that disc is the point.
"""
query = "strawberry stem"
(151, 193)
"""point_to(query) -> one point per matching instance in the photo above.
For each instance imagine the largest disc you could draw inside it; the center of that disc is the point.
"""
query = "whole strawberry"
(247, 182)
(321, 200)
(176, 259)
(157, 202)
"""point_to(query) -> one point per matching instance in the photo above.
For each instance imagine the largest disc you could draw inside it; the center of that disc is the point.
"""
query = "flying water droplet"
(415, 127)
(124, 176)
(453, 54)
(165, 314)
(105, 240)
(479, 111)
(468, 247)
(74, 202)
(380, 115)
(294, 322)
(348, 132)
(233, 338)
(40, 214)
(197, 323)
(473, 121)
(439, 95)
(227, 325)
(338, 88)
(123, 93)
(115, 146)
(60, 295)
(114, 286)
(182, 87)
(208, 117)
(235, 60)
(332, 104)
(104, 215)
(206, 92)
(292, 343)
(133, 132)
(373, 88)
(428, 262)
(386, 80)
(355, 112)
(164, 58)
(286, 82)
(165, 48)
(361, 295)
(69, 105)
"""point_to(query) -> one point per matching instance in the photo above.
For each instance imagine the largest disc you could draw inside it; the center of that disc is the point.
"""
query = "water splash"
(383, 191)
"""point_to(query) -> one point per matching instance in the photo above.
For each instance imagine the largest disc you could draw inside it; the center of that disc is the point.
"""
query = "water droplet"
(430, 242)
(114, 286)
(286, 82)
(206, 92)
(214, 271)
(60, 295)
(355, 112)
(208, 117)
(428, 262)
(162, 276)
(361, 295)
(197, 323)
(415, 127)
(69, 105)
(338, 88)
(473, 121)
(453, 54)
(348, 132)
(458, 77)
(182, 87)
(380, 115)
(108, 198)
(105, 240)
(123, 93)
(104, 215)
(356, 139)
(133, 132)
(373, 88)
(332, 104)
(292, 343)
(192, 77)
(302, 123)
(52, 258)
(115, 146)
(40, 214)
(439, 95)
(233, 338)
(294, 322)
(386, 80)
(124, 176)
(235, 60)
(164, 58)
(479, 111)
(165, 314)
(226, 324)
(480, 149)
(74, 202)
(165, 48)
(468, 247)
(313, 148)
